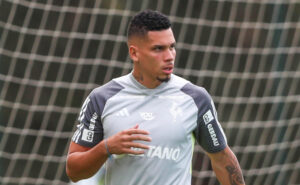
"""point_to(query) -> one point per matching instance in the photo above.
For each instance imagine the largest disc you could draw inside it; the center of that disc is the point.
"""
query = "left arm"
(226, 167)
(212, 139)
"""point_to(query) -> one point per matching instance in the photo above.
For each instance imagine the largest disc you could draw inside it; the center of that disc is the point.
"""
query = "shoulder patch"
(87, 135)
(208, 117)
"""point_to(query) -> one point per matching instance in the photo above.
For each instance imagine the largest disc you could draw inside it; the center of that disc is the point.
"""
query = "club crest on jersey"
(147, 116)
(175, 111)
(208, 117)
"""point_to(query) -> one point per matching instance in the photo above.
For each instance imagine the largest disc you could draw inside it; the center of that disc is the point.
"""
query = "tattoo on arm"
(235, 175)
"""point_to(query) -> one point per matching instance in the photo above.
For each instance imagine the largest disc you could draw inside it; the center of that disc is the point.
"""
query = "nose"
(169, 55)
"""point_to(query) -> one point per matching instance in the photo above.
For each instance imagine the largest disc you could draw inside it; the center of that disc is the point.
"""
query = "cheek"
(158, 57)
(151, 61)
(157, 60)
(154, 60)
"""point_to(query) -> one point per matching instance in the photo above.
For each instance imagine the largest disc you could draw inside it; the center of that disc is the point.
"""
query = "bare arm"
(84, 162)
(226, 167)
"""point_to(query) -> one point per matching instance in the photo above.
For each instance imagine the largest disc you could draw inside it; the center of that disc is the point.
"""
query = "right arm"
(84, 162)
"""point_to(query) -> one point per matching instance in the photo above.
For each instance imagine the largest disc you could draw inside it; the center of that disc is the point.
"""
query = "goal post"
(246, 53)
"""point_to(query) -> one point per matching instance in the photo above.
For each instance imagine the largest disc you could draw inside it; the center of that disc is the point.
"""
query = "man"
(142, 125)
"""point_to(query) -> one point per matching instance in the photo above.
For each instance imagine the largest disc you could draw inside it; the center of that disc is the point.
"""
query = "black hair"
(147, 20)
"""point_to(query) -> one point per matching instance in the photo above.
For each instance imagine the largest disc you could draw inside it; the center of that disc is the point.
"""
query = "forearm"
(227, 169)
(83, 162)
(82, 165)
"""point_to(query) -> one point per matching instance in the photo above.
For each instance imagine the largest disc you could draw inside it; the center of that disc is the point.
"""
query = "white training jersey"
(174, 113)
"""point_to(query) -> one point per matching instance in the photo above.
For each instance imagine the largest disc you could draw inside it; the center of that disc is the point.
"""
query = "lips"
(168, 69)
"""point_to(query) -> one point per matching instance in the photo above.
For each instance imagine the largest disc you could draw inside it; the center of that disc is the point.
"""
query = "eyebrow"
(162, 45)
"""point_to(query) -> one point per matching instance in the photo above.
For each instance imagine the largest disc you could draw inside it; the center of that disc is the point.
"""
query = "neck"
(147, 82)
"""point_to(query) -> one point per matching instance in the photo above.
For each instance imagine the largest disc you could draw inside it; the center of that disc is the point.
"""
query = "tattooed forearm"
(227, 168)
(235, 175)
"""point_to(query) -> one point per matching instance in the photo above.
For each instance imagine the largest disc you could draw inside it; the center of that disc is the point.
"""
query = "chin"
(165, 79)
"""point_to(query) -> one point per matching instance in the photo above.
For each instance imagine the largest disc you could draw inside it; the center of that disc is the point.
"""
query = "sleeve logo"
(87, 135)
(208, 117)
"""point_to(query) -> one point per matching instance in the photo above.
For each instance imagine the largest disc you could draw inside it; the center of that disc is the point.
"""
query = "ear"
(133, 52)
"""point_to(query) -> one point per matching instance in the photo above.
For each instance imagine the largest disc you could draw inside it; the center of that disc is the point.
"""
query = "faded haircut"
(147, 20)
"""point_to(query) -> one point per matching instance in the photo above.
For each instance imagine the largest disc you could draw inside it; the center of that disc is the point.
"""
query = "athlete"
(143, 125)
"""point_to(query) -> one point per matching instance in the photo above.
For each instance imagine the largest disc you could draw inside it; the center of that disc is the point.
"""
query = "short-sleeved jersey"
(174, 113)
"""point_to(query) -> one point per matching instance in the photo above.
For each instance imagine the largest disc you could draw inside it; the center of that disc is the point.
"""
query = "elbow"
(71, 174)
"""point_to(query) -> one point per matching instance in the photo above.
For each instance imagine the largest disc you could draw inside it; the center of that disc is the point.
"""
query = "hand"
(123, 142)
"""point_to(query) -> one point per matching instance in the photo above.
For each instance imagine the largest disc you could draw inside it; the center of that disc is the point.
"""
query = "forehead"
(163, 37)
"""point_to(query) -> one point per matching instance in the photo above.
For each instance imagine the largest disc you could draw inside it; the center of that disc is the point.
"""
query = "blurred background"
(246, 53)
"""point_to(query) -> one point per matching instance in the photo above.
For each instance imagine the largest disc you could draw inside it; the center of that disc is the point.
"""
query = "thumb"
(136, 126)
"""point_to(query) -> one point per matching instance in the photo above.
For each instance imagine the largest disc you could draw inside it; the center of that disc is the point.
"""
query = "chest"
(169, 119)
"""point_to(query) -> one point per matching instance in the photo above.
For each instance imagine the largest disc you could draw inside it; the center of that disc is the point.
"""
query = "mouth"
(168, 69)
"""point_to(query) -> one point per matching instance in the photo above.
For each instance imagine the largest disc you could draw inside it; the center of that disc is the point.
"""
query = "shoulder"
(106, 91)
(198, 93)
(194, 91)
(189, 88)
(108, 88)
(178, 82)
(186, 85)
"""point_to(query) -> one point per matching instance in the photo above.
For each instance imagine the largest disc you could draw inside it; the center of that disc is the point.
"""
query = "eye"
(172, 46)
(158, 48)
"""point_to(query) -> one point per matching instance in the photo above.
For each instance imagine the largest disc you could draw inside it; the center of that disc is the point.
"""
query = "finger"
(135, 127)
(139, 145)
(135, 145)
(139, 138)
(137, 131)
(136, 152)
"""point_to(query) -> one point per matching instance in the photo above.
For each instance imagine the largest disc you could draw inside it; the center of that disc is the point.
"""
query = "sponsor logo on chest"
(160, 152)
(148, 116)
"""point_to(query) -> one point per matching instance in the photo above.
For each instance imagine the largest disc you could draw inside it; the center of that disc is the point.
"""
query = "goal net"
(246, 53)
